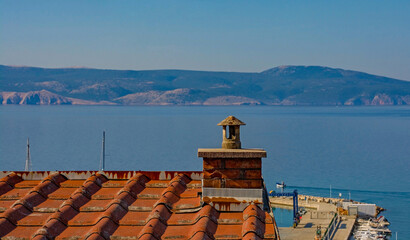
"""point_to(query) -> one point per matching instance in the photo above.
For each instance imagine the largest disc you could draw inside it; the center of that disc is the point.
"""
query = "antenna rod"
(102, 163)
(330, 190)
(27, 168)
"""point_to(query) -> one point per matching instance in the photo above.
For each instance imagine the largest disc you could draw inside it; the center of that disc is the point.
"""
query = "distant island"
(284, 85)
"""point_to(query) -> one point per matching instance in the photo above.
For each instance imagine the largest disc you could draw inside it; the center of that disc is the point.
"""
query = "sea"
(361, 152)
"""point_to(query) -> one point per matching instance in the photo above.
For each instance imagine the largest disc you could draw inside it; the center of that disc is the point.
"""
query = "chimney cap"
(231, 121)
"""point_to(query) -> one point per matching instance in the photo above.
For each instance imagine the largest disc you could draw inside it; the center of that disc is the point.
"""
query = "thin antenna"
(330, 190)
(28, 167)
(102, 160)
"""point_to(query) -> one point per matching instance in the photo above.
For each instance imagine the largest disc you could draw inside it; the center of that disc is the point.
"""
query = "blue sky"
(246, 36)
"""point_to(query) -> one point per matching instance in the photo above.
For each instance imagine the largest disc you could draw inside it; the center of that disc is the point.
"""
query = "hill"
(284, 85)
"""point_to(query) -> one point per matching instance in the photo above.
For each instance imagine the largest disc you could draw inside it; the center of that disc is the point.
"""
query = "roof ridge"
(8, 182)
(24, 206)
(156, 223)
(254, 222)
(174, 190)
(206, 222)
(118, 207)
(254, 210)
(209, 212)
(58, 221)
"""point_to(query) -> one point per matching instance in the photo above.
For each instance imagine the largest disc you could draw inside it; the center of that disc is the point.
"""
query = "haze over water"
(361, 150)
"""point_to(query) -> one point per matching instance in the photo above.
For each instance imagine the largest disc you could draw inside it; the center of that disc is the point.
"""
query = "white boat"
(280, 185)
(371, 229)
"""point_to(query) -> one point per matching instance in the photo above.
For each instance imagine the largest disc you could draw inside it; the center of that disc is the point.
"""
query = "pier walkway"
(345, 228)
(318, 214)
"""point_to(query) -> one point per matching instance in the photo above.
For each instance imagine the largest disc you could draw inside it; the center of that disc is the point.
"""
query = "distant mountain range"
(284, 85)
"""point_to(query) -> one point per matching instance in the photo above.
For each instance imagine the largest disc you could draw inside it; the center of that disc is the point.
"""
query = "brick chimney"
(232, 176)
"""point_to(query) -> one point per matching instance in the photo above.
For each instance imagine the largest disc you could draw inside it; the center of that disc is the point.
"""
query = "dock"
(319, 213)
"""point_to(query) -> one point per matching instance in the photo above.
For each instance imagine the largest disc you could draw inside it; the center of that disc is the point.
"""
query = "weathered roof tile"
(8, 182)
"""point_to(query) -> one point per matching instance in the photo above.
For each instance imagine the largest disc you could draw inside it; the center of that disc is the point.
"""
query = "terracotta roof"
(119, 205)
(231, 121)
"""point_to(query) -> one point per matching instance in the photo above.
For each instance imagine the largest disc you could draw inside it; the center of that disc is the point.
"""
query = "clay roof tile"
(120, 205)
(254, 221)
(8, 182)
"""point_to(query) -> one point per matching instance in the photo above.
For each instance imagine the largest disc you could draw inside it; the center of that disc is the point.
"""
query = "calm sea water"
(361, 150)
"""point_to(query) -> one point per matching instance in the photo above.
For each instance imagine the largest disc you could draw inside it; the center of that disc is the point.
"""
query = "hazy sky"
(247, 36)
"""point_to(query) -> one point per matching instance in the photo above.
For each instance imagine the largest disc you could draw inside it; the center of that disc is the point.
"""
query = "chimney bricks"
(232, 176)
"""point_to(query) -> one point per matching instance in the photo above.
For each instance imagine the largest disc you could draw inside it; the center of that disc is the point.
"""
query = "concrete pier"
(319, 213)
